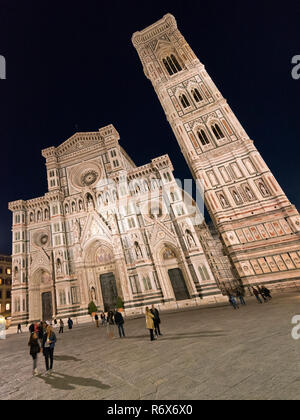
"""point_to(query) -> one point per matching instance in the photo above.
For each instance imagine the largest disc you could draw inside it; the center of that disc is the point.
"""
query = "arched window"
(197, 95)
(217, 132)
(172, 65)
(204, 273)
(203, 137)
(169, 70)
(190, 238)
(66, 209)
(175, 61)
(146, 186)
(184, 101)
(31, 217)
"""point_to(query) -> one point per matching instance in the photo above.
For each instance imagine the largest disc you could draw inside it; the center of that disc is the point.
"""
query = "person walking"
(156, 320)
(70, 323)
(233, 302)
(49, 341)
(61, 326)
(97, 320)
(266, 293)
(262, 294)
(240, 296)
(119, 320)
(34, 350)
(256, 294)
(103, 319)
(150, 323)
(110, 318)
(19, 331)
(31, 328)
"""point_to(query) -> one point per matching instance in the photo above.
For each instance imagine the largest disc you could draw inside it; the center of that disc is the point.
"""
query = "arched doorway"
(47, 307)
(102, 276)
(41, 305)
(109, 291)
(178, 284)
(174, 271)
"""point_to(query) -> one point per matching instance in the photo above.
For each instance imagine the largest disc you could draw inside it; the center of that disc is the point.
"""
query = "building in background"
(259, 227)
(5, 285)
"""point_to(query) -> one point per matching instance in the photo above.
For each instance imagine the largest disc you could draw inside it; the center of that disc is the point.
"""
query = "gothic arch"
(219, 134)
(202, 140)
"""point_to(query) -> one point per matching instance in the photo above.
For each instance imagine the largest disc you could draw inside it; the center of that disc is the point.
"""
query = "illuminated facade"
(259, 226)
(107, 228)
(5, 285)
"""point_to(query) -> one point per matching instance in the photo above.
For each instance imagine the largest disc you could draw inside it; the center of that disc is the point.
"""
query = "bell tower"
(258, 225)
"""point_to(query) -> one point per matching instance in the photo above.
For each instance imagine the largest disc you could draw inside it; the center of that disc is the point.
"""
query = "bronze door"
(178, 284)
(47, 306)
(109, 291)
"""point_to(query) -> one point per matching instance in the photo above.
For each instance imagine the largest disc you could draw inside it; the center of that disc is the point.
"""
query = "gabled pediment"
(161, 233)
(162, 46)
(95, 227)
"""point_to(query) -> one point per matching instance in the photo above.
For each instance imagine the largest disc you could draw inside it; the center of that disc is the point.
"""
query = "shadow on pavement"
(167, 336)
(66, 382)
(66, 359)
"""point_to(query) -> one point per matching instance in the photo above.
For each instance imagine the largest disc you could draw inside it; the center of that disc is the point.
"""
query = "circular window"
(44, 239)
(89, 178)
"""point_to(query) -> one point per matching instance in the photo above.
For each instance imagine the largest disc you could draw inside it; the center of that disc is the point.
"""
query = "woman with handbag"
(34, 350)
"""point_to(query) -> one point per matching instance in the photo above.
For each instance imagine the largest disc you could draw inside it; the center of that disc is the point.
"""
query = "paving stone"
(204, 353)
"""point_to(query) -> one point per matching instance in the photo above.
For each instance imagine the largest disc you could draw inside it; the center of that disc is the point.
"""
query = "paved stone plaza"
(207, 353)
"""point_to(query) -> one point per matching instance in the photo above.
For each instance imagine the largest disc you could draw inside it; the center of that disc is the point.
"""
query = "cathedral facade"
(259, 227)
(107, 229)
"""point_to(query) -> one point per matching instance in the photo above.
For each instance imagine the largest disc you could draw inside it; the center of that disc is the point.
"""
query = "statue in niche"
(76, 230)
(138, 250)
(190, 239)
(93, 294)
(223, 201)
(58, 266)
(263, 190)
(249, 193)
(90, 203)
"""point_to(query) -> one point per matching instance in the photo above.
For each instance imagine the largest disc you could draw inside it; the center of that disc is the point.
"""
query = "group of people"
(259, 292)
(43, 338)
(116, 318)
(105, 319)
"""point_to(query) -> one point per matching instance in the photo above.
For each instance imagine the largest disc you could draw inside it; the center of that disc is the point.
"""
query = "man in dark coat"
(156, 320)
(256, 294)
(119, 320)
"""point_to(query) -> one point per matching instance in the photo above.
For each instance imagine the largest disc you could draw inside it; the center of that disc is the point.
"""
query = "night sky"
(71, 67)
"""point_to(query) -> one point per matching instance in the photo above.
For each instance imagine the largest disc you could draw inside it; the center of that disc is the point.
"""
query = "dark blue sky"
(72, 63)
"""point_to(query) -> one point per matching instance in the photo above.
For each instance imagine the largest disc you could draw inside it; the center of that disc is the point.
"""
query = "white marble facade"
(106, 228)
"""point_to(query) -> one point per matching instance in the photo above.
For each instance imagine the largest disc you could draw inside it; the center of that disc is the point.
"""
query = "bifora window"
(184, 100)
(172, 65)
(217, 132)
(197, 95)
(203, 137)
